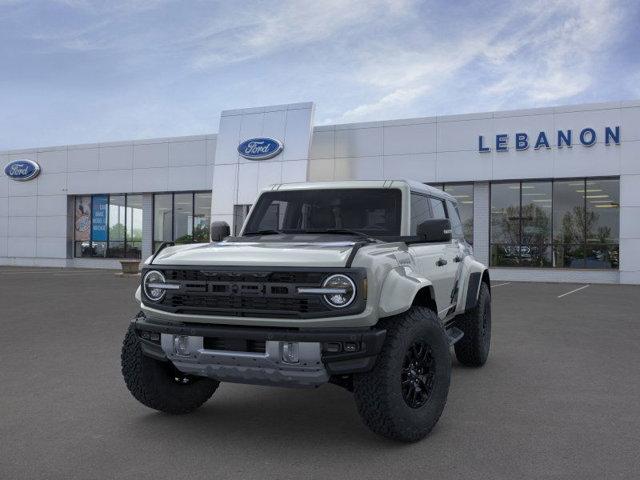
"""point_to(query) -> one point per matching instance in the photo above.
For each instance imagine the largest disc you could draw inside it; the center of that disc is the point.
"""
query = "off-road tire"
(379, 392)
(473, 348)
(153, 383)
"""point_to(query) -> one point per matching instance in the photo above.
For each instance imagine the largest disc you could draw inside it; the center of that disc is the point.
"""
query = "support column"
(629, 229)
(481, 218)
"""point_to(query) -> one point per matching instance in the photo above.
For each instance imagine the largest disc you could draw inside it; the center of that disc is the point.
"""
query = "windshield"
(372, 211)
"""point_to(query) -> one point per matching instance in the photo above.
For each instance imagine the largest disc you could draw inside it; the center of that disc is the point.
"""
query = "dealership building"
(547, 194)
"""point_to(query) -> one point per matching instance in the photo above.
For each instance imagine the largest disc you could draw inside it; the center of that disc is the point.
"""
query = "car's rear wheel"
(403, 396)
(473, 348)
(159, 385)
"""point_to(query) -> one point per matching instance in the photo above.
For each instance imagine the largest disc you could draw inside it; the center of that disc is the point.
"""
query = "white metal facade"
(36, 216)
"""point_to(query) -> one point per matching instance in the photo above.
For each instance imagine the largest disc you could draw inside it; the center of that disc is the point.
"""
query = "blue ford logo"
(260, 148)
(22, 170)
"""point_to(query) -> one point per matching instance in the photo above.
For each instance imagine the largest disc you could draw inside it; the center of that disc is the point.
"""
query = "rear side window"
(456, 224)
(437, 207)
(420, 211)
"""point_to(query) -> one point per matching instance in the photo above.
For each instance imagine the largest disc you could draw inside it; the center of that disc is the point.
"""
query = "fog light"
(350, 347)
(290, 352)
(181, 345)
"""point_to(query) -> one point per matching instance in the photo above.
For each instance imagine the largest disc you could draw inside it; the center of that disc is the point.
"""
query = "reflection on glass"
(420, 211)
(134, 226)
(201, 217)
(162, 219)
(464, 194)
(568, 212)
(505, 213)
(564, 224)
(603, 211)
(535, 215)
(117, 219)
(183, 217)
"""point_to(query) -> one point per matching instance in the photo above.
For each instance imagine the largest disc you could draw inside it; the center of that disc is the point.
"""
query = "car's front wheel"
(159, 385)
(404, 395)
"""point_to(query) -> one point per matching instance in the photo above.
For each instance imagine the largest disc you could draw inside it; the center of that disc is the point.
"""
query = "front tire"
(472, 349)
(159, 385)
(404, 395)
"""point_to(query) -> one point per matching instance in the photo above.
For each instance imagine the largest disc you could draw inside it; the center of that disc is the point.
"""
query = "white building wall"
(237, 180)
(35, 222)
(445, 149)
(34, 215)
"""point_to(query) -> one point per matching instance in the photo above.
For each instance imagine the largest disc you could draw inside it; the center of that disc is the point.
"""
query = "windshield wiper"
(344, 231)
(263, 232)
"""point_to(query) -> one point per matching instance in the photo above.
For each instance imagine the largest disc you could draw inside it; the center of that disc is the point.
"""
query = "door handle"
(441, 262)
(457, 259)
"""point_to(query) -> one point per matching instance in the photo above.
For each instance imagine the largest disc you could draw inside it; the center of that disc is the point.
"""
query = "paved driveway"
(559, 397)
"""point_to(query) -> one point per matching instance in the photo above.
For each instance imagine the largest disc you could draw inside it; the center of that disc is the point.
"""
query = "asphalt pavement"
(558, 398)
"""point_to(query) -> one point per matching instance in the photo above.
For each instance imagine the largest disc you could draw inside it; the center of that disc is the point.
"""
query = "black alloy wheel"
(418, 374)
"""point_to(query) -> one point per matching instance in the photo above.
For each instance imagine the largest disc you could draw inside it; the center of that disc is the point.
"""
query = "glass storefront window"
(603, 223)
(535, 243)
(117, 220)
(201, 217)
(134, 226)
(563, 224)
(108, 226)
(82, 226)
(162, 219)
(463, 193)
(505, 224)
(182, 217)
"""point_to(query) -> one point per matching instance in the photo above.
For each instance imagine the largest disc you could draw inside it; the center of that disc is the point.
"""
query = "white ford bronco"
(364, 284)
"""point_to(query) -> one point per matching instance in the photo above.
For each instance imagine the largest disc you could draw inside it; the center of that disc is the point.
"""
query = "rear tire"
(402, 398)
(159, 385)
(473, 348)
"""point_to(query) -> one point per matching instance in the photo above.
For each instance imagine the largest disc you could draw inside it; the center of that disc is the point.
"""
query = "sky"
(79, 71)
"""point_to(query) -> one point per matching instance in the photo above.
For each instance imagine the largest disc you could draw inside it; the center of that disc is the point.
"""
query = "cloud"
(552, 61)
(541, 53)
(262, 32)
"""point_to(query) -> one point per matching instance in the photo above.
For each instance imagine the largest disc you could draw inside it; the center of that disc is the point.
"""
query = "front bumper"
(315, 367)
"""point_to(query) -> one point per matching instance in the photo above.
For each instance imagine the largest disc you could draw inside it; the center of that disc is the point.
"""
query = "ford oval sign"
(260, 148)
(22, 170)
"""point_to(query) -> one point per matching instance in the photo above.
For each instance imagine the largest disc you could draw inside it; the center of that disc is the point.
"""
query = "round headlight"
(344, 291)
(153, 293)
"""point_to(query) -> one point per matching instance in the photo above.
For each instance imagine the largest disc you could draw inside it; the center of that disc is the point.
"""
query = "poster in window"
(83, 219)
(99, 214)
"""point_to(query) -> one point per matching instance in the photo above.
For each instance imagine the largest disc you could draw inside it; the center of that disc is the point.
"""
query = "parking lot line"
(500, 284)
(573, 291)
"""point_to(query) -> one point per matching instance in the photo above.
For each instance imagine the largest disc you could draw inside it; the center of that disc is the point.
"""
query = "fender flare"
(399, 290)
(476, 277)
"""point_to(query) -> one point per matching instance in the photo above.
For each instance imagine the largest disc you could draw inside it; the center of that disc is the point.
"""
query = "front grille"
(237, 305)
(234, 344)
(258, 293)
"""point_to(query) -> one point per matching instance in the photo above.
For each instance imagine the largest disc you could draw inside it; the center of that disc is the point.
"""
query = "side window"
(456, 224)
(420, 211)
(437, 207)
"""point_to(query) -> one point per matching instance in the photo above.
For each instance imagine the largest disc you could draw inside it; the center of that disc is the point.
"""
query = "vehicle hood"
(255, 254)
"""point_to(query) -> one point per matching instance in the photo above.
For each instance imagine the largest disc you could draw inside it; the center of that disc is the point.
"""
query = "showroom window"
(181, 217)
(562, 224)
(463, 192)
(108, 226)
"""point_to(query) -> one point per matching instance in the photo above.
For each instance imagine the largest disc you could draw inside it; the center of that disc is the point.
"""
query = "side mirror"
(219, 231)
(435, 230)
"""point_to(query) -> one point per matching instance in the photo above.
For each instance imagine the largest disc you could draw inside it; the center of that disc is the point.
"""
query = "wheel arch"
(477, 277)
(403, 288)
